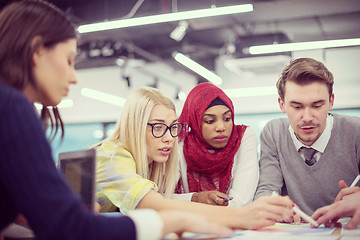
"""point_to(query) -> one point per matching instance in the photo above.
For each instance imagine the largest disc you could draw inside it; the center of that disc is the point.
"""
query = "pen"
(305, 216)
(300, 213)
(355, 181)
(225, 199)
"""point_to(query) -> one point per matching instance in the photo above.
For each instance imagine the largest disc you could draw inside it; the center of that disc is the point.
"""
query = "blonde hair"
(130, 133)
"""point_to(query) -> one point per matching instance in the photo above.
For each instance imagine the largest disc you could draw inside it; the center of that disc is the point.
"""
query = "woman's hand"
(212, 198)
(266, 211)
(295, 218)
(180, 221)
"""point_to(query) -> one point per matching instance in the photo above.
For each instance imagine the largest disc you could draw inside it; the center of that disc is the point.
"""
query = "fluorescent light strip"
(103, 97)
(288, 47)
(167, 17)
(250, 91)
(194, 66)
(66, 103)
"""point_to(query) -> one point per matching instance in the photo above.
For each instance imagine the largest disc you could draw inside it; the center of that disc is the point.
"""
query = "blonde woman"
(132, 160)
(136, 167)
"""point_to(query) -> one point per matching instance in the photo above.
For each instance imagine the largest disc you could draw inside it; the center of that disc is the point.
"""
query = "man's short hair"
(304, 71)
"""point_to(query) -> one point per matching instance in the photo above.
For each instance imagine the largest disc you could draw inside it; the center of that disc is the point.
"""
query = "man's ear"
(332, 101)
(281, 105)
(39, 48)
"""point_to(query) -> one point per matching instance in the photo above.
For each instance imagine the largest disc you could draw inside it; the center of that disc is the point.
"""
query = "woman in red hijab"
(218, 159)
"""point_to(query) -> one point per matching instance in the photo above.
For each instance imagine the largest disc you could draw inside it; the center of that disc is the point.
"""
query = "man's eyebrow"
(320, 101)
(295, 102)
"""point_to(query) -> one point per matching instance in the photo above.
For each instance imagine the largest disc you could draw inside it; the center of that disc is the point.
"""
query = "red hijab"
(206, 170)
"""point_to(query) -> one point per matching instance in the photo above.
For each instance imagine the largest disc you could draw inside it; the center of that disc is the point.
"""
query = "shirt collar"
(322, 141)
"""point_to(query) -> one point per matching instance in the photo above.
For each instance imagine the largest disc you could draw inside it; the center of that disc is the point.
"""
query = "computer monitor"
(79, 170)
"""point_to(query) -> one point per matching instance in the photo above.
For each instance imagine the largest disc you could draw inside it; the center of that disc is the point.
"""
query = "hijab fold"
(207, 168)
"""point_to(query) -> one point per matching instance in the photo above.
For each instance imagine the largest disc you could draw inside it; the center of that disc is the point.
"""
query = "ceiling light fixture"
(65, 103)
(194, 66)
(180, 95)
(179, 32)
(288, 47)
(103, 97)
(167, 17)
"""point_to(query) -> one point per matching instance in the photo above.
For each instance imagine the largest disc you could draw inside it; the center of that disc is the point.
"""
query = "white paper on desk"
(348, 233)
(293, 230)
(288, 237)
(249, 235)
(282, 231)
(17, 231)
(279, 232)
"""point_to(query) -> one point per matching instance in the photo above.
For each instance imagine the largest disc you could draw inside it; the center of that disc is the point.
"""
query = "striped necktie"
(309, 155)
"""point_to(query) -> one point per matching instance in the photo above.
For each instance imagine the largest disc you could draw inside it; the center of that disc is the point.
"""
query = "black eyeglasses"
(159, 129)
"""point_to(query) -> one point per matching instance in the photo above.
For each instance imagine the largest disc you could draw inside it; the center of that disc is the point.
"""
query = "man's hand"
(345, 191)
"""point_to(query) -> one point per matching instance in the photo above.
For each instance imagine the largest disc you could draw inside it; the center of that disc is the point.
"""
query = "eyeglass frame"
(167, 128)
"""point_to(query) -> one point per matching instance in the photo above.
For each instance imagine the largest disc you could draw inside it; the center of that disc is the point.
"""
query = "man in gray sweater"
(306, 154)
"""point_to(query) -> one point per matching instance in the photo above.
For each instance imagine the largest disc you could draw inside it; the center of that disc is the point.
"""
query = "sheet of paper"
(279, 231)
(291, 229)
(349, 234)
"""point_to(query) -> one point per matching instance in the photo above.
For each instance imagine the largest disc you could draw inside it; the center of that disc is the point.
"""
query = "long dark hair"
(20, 23)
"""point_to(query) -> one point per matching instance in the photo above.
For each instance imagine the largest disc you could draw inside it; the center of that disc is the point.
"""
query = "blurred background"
(113, 63)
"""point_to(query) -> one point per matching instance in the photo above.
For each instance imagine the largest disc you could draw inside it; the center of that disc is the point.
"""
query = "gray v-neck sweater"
(283, 170)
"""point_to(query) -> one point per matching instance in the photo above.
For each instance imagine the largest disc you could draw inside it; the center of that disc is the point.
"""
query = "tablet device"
(79, 170)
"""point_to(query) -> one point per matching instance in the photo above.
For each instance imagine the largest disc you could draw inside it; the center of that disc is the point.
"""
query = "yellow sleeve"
(118, 185)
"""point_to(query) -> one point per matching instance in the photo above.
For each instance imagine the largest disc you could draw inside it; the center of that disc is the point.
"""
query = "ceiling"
(271, 21)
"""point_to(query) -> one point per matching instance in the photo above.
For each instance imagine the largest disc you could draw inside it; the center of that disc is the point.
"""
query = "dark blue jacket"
(30, 183)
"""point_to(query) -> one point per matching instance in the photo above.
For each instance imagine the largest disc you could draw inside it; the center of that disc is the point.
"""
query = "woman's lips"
(165, 151)
(220, 139)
